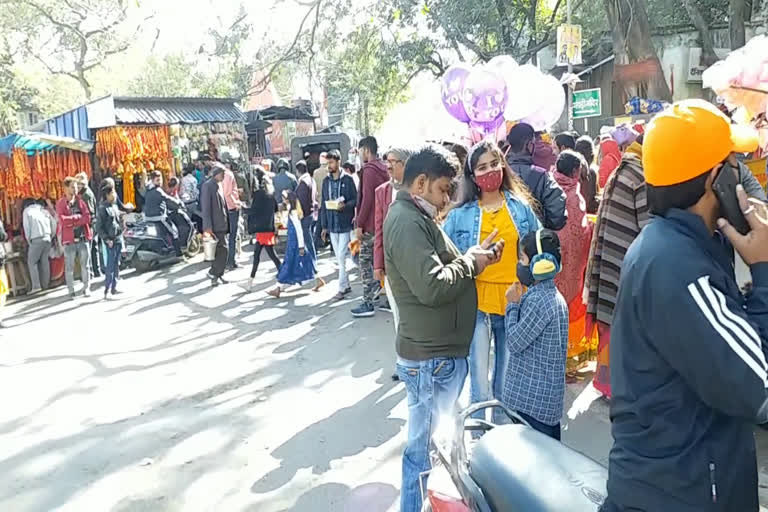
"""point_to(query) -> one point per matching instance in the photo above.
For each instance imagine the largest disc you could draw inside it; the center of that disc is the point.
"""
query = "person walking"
(337, 209)
(374, 175)
(299, 265)
(688, 365)
(307, 195)
(232, 198)
(261, 222)
(433, 284)
(492, 199)
(97, 260)
(216, 225)
(111, 233)
(540, 182)
(318, 176)
(39, 230)
(574, 241)
(622, 214)
(75, 224)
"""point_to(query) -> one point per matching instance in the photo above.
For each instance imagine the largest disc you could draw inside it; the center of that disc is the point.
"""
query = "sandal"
(274, 292)
(339, 296)
(320, 284)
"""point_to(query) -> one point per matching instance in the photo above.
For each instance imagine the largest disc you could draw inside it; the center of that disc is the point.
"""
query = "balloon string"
(750, 89)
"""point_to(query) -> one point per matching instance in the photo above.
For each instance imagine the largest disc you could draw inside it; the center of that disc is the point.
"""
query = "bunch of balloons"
(486, 96)
(742, 78)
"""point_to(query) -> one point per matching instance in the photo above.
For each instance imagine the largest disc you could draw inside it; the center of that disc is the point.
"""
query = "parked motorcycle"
(146, 247)
(511, 468)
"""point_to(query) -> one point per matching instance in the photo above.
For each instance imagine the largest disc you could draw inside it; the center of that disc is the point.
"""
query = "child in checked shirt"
(537, 336)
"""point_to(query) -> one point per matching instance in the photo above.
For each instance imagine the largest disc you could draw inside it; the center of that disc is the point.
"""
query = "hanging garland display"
(128, 150)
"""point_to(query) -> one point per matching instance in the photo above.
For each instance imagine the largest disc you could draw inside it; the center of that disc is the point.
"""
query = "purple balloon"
(485, 96)
(452, 89)
(487, 129)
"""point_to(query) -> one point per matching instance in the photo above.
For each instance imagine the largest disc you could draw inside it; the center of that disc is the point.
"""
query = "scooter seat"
(521, 470)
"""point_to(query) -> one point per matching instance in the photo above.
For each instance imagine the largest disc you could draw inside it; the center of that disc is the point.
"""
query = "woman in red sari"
(574, 247)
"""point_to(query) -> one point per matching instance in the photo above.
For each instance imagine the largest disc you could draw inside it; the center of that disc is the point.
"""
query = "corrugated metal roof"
(176, 110)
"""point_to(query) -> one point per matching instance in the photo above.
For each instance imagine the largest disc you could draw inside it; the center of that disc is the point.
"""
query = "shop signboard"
(587, 103)
(569, 45)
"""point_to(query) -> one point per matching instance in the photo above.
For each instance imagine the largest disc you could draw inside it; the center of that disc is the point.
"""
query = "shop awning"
(36, 141)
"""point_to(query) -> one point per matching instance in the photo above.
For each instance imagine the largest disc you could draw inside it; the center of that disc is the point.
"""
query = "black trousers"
(174, 236)
(220, 260)
(257, 257)
(97, 258)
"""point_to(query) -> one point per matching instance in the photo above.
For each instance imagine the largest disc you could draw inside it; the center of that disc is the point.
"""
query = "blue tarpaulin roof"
(33, 141)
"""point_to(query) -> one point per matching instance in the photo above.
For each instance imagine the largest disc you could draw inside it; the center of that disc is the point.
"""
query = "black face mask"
(524, 275)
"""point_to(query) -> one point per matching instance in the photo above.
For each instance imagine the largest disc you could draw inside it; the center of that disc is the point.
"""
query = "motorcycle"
(146, 247)
(511, 468)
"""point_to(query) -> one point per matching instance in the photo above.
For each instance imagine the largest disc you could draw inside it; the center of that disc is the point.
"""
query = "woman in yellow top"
(492, 197)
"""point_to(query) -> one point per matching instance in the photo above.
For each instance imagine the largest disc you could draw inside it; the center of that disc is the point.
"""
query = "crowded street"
(179, 397)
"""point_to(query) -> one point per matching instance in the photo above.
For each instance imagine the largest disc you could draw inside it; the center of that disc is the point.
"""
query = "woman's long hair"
(263, 182)
(293, 203)
(468, 189)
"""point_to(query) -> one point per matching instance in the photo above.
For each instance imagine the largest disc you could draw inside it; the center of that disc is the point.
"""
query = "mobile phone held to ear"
(724, 187)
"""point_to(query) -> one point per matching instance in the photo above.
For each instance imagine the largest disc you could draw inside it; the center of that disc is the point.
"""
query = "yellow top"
(492, 284)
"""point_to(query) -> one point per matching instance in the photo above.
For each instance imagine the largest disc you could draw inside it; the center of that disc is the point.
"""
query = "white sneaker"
(87, 292)
(251, 282)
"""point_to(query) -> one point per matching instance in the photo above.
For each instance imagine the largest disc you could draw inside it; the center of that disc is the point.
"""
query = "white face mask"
(425, 205)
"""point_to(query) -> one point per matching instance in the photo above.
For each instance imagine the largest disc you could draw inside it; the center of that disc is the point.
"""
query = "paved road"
(179, 397)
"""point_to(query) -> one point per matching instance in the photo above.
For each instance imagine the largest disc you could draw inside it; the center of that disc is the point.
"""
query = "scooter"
(146, 248)
(512, 468)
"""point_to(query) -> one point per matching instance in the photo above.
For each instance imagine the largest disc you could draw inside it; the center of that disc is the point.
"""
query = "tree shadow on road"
(372, 497)
(337, 436)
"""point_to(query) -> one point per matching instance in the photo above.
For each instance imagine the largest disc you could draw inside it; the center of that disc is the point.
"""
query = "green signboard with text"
(587, 103)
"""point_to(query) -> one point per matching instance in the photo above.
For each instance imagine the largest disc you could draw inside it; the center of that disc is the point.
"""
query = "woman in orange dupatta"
(575, 238)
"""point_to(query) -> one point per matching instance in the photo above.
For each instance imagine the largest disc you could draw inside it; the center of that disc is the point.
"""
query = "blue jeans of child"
(433, 387)
(112, 272)
(480, 388)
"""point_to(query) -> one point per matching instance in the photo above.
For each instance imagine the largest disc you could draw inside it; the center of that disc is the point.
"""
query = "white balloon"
(551, 101)
(522, 91)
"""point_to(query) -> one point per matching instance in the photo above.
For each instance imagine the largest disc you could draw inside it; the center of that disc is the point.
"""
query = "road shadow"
(334, 497)
(335, 437)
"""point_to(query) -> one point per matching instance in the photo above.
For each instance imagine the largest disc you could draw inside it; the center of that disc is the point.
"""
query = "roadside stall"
(33, 166)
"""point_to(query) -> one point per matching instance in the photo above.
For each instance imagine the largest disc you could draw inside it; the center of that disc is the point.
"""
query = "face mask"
(524, 275)
(490, 181)
(425, 205)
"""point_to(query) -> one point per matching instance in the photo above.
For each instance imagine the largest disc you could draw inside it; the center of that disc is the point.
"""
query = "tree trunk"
(638, 70)
(366, 117)
(736, 15)
(532, 28)
(708, 55)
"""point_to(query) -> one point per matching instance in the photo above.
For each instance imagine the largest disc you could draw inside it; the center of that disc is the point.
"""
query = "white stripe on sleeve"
(743, 330)
(729, 339)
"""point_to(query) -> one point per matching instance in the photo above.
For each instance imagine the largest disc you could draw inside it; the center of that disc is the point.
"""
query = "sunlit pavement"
(179, 397)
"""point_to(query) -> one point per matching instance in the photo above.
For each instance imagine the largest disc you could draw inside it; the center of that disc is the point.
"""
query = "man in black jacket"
(110, 231)
(688, 361)
(215, 221)
(157, 204)
(541, 183)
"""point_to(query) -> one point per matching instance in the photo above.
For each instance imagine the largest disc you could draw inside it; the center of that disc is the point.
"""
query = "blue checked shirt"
(537, 338)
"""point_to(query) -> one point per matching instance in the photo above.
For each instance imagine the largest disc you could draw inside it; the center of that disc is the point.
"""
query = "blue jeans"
(112, 272)
(480, 388)
(234, 220)
(433, 387)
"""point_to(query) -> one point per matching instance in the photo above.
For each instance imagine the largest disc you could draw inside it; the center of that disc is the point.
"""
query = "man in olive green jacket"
(433, 285)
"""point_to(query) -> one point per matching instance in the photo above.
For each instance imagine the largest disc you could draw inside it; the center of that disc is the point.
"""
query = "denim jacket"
(463, 223)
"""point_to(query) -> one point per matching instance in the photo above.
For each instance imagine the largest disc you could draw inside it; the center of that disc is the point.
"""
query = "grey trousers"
(37, 261)
(80, 250)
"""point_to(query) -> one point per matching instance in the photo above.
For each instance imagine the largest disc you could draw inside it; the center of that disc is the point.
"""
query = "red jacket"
(610, 158)
(68, 221)
(373, 176)
(383, 200)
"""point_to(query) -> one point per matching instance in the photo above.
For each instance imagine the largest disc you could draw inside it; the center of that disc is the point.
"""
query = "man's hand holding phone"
(753, 247)
(488, 252)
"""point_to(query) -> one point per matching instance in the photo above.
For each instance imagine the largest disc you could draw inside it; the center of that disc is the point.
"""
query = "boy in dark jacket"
(110, 231)
(688, 362)
(540, 181)
(337, 210)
